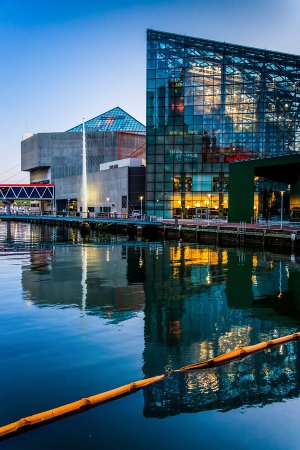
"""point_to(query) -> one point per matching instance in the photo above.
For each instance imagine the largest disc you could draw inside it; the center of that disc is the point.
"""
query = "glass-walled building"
(210, 103)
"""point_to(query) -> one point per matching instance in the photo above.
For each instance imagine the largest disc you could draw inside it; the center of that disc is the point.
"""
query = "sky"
(62, 60)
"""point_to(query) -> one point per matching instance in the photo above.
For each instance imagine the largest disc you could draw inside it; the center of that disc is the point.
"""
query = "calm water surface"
(82, 315)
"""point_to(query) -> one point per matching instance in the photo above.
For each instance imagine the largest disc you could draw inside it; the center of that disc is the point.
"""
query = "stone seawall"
(280, 239)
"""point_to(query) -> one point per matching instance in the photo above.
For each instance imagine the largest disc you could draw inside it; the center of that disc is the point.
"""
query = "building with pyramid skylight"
(114, 120)
(110, 137)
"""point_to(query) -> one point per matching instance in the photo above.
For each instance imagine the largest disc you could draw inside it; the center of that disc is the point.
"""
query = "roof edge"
(239, 46)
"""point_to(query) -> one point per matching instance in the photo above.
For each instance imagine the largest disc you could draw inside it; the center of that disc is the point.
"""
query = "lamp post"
(281, 208)
(141, 198)
(196, 210)
(209, 205)
(107, 199)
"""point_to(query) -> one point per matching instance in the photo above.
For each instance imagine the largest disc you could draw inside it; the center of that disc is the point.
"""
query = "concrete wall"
(111, 183)
(63, 151)
(39, 175)
(57, 157)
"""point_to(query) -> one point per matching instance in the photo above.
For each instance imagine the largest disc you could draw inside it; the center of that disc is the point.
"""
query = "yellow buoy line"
(51, 414)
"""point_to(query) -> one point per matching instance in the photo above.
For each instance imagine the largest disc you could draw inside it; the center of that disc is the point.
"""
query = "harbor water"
(80, 315)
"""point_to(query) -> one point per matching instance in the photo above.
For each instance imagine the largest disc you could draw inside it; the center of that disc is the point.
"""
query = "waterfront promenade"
(275, 235)
(271, 225)
(58, 218)
(275, 225)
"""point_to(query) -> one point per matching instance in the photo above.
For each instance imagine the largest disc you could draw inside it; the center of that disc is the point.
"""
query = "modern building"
(118, 187)
(93, 267)
(210, 103)
(57, 158)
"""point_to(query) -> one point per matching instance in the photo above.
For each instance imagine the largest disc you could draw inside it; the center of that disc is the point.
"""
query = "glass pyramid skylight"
(114, 120)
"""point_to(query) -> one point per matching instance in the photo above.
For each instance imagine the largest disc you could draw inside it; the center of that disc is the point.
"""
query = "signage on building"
(237, 157)
(181, 155)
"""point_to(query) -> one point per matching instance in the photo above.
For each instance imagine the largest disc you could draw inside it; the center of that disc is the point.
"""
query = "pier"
(284, 237)
(235, 234)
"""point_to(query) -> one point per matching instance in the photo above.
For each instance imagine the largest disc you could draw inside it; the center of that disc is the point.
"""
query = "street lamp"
(107, 199)
(141, 198)
(281, 208)
(209, 205)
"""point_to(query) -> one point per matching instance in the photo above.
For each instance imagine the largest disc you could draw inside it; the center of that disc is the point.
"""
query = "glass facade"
(115, 119)
(210, 103)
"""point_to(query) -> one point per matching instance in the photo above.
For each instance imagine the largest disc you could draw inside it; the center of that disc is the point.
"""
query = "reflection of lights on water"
(208, 279)
(206, 381)
(287, 272)
(254, 280)
(84, 282)
(280, 280)
(281, 350)
(107, 255)
(109, 311)
(168, 367)
(275, 333)
(202, 256)
(224, 257)
(236, 337)
(72, 237)
(175, 273)
(141, 262)
(206, 351)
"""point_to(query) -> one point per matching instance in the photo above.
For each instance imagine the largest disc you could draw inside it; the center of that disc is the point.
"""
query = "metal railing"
(74, 214)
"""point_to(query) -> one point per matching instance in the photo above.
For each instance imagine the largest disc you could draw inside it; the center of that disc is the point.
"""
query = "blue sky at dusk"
(62, 60)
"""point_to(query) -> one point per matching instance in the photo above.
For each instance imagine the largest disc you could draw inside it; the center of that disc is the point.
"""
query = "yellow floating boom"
(43, 417)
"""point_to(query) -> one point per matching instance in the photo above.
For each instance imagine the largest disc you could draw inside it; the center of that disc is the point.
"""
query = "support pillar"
(241, 193)
(7, 206)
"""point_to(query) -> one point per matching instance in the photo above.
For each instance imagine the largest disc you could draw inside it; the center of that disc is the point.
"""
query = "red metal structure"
(129, 152)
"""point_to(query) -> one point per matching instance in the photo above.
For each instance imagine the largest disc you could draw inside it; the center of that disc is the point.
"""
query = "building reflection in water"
(84, 282)
(103, 280)
(220, 300)
(198, 303)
